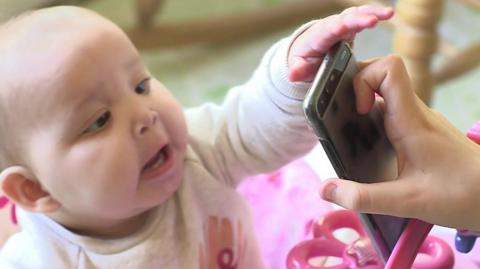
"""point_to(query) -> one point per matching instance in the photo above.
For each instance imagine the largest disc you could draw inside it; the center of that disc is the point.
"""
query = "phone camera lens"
(323, 103)
(329, 89)
(331, 84)
(333, 80)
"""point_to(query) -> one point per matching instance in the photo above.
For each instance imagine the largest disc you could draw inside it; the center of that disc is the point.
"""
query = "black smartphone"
(355, 144)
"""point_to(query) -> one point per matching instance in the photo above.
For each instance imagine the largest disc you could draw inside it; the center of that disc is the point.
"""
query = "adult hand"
(438, 167)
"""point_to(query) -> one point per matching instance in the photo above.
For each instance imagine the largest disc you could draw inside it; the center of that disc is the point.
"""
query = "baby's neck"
(104, 229)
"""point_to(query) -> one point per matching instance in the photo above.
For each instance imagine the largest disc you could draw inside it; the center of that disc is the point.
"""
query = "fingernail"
(330, 191)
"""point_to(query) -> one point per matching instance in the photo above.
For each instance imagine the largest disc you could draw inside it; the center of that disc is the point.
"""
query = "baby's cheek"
(122, 171)
(108, 170)
(178, 128)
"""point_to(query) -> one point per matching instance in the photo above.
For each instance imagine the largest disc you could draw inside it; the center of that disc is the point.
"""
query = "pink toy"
(474, 133)
(360, 253)
(275, 199)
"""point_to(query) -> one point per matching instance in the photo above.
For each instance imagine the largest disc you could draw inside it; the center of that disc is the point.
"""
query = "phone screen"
(356, 144)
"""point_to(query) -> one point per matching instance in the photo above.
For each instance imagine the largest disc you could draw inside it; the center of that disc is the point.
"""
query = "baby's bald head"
(36, 49)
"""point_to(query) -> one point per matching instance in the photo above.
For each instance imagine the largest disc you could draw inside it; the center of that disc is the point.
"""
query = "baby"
(110, 172)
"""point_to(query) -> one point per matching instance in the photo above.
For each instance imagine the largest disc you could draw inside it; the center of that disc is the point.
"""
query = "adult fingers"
(387, 77)
(397, 197)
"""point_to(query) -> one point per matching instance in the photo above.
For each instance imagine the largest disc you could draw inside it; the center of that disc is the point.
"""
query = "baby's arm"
(261, 124)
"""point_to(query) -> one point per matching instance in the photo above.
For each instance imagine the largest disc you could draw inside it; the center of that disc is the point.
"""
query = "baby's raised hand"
(309, 48)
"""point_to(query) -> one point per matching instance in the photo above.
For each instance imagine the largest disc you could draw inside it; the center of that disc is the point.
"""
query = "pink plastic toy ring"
(360, 254)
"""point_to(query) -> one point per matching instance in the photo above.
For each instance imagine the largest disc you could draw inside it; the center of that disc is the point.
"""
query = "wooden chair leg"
(146, 10)
(415, 40)
(459, 63)
(472, 3)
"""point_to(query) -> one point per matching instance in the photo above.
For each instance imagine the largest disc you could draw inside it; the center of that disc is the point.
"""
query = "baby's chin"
(158, 194)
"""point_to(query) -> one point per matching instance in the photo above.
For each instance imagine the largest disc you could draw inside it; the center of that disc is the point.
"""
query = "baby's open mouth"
(156, 160)
(159, 164)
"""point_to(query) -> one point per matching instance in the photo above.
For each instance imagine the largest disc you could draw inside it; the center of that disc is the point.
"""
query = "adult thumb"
(388, 198)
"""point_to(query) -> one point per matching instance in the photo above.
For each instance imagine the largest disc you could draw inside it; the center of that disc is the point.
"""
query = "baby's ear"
(20, 186)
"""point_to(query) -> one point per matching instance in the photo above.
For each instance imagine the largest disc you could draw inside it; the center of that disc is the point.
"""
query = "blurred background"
(197, 70)
(201, 48)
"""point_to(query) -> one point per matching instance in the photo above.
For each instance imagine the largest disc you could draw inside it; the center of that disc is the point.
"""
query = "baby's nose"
(146, 119)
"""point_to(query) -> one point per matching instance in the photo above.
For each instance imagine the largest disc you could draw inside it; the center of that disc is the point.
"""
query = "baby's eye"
(99, 123)
(143, 87)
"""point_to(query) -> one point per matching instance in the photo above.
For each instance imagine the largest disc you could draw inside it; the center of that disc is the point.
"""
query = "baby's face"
(107, 139)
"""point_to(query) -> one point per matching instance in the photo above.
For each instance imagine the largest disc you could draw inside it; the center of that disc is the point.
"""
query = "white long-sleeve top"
(206, 224)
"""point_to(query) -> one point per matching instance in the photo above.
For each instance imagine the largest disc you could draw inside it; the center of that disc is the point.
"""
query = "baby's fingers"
(304, 68)
(356, 19)
(321, 36)
(381, 12)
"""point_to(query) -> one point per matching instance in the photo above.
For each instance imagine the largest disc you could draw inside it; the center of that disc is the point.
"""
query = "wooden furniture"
(415, 39)
(222, 28)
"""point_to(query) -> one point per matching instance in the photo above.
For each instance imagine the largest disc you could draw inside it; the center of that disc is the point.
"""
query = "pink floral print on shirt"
(4, 202)
(224, 247)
